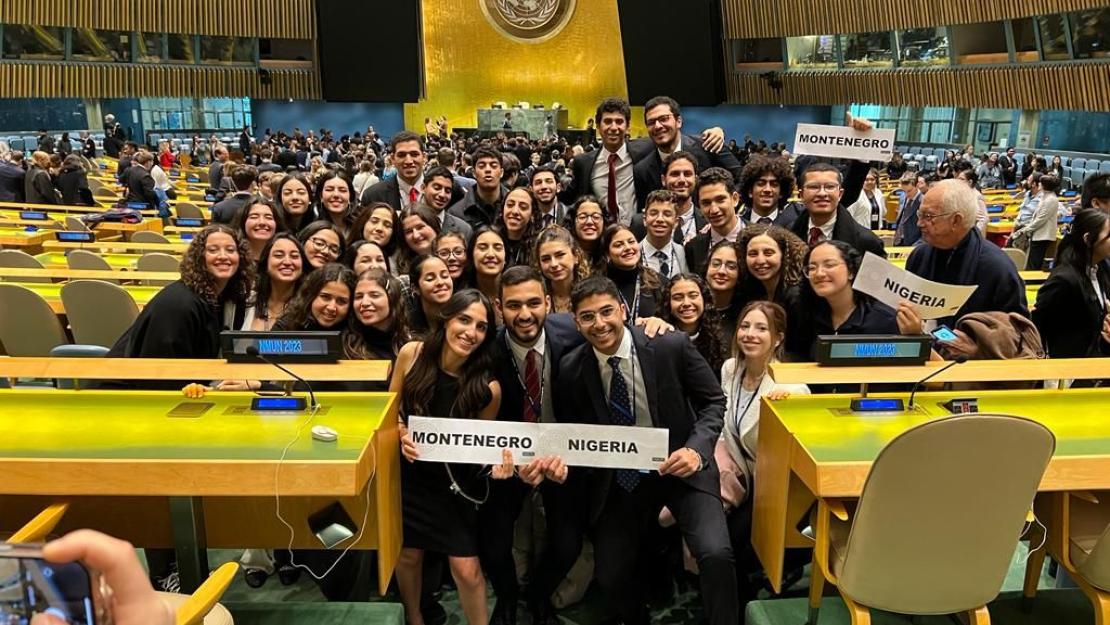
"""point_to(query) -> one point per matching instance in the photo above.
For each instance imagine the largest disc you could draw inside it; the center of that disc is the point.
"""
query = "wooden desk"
(811, 446)
(19, 222)
(20, 239)
(52, 293)
(116, 261)
(137, 469)
(970, 371)
(117, 246)
(62, 208)
(192, 369)
(16, 274)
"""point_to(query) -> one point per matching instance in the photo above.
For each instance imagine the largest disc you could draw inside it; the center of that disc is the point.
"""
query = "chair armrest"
(201, 602)
(37, 529)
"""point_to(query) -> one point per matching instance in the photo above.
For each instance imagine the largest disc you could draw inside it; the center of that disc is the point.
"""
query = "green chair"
(937, 522)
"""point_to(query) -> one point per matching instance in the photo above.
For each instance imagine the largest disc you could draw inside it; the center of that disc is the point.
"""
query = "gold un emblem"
(528, 21)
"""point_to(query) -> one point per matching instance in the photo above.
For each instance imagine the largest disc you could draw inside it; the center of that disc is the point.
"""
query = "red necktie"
(614, 211)
(414, 194)
(815, 235)
(532, 395)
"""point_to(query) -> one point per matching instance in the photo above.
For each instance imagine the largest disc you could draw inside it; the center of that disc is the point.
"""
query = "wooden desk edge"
(971, 371)
(185, 369)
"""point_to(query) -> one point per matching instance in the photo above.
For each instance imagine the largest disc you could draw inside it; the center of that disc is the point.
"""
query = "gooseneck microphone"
(253, 352)
(959, 360)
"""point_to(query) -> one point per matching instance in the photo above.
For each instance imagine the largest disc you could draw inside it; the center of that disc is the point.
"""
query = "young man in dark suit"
(824, 218)
(716, 197)
(663, 119)
(766, 185)
(622, 378)
(526, 359)
(680, 175)
(407, 187)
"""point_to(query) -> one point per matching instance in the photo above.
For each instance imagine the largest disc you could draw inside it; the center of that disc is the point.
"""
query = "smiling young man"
(717, 199)
(545, 185)
(482, 203)
(406, 188)
(623, 378)
(824, 219)
(526, 357)
(766, 185)
(659, 249)
(439, 184)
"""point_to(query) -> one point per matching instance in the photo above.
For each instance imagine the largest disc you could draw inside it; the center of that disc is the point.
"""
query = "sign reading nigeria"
(528, 21)
(474, 441)
(841, 142)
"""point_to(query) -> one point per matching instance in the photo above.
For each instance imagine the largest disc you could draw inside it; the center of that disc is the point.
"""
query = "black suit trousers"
(619, 549)
(565, 529)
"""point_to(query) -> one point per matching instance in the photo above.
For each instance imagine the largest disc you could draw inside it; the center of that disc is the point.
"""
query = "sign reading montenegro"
(528, 21)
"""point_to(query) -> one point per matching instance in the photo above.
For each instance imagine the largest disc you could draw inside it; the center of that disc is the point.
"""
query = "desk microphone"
(958, 361)
(254, 353)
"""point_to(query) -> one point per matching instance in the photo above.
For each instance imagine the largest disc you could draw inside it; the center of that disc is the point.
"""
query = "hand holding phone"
(944, 334)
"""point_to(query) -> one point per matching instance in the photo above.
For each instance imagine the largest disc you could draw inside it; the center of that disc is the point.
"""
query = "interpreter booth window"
(148, 48)
(923, 47)
(1025, 41)
(866, 50)
(983, 43)
(757, 55)
(811, 52)
(105, 46)
(227, 50)
(1090, 34)
(1054, 38)
(180, 49)
(285, 51)
(34, 43)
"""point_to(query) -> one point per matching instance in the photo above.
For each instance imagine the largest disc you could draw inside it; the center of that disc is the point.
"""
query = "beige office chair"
(1078, 525)
(888, 240)
(28, 326)
(148, 236)
(18, 259)
(1016, 256)
(74, 224)
(105, 193)
(85, 259)
(95, 185)
(158, 261)
(953, 490)
(188, 210)
(99, 312)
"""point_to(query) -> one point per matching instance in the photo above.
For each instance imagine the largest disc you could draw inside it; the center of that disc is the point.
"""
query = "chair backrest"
(941, 513)
(158, 261)
(18, 259)
(105, 193)
(188, 210)
(148, 236)
(1017, 256)
(99, 312)
(85, 259)
(74, 224)
(28, 326)
(1079, 163)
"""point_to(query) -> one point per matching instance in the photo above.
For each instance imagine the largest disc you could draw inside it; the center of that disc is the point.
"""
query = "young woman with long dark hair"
(640, 286)
(562, 264)
(684, 302)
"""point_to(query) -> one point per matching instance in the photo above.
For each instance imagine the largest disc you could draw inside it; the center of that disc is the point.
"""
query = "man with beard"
(766, 185)
(481, 205)
(717, 199)
(663, 119)
(545, 186)
(680, 174)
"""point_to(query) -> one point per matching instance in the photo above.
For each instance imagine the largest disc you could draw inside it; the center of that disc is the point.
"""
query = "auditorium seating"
(28, 326)
(99, 312)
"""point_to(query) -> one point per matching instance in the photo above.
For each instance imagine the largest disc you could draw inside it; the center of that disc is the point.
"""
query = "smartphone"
(944, 334)
(32, 589)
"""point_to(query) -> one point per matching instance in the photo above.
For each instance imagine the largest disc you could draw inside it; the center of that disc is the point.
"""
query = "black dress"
(640, 300)
(433, 517)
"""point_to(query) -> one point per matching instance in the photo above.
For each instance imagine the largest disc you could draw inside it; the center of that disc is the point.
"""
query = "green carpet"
(316, 613)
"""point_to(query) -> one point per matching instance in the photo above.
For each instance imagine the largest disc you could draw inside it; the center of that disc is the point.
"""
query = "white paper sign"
(475, 441)
(843, 142)
(890, 285)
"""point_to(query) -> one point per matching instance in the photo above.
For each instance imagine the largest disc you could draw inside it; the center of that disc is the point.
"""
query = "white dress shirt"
(677, 146)
(520, 353)
(406, 188)
(687, 224)
(674, 256)
(715, 238)
(626, 187)
(633, 378)
(773, 215)
(826, 230)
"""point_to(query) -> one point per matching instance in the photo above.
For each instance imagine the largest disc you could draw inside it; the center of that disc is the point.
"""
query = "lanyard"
(537, 404)
(634, 309)
(737, 387)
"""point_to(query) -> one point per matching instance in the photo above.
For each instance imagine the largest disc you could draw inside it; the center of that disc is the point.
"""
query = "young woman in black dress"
(640, 287)
(447, 375)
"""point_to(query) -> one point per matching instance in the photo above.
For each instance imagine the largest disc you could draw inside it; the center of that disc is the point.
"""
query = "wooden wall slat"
(1070, 87)
(747, 19)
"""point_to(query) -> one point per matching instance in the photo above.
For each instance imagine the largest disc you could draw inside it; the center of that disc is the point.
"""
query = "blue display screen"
(278, 403)
(875, 350)
(190, 223)
(277, 346)
(32, 215)
(879, 404)
(188, 236)
(76, 237)
(138, 205)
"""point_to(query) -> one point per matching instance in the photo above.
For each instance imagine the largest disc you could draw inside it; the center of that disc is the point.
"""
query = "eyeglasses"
(589, 217)
(589, 318)
(828, 187)
(717, 263)
(826, 267)
(321, 244)
(458, 252)
(930, 217)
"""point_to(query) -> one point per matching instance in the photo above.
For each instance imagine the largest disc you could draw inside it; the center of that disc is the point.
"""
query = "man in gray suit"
(438, 188)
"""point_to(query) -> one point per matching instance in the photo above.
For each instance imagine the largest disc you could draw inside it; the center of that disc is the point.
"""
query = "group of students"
(510, 310)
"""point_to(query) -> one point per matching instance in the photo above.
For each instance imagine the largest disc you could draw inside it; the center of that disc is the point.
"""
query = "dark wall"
(673, 48)
(340, 118)
(17, 115)
(370, 51)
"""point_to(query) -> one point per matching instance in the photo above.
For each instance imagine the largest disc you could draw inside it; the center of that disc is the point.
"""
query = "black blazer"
(649, 171)
(1069, 314)
(140, 186)
(683, 394)
(74, 184)
(582, 168)
(846, 229)
(388, 191)
(561, 336)
(11, 182)
(787, 215)
(38, 188)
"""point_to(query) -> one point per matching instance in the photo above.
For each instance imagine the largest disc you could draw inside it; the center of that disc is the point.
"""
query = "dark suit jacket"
(787, 215)
(388, 191)
(846, 229)
(140, 186)
(906, 220)
(649, 171)
(582, 168)
(683, 396)
(215, 174)
(1069, 315)
(226, 210)
(561, 336)
(639, 228)
(74, 184)
(11, 182)
(38, 188)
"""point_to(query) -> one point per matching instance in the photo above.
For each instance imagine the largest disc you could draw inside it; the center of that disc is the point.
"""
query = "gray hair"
(958, 197)
(5, 151)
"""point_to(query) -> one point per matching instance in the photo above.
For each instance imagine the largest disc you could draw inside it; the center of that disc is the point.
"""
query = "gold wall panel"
(469, 65)
(746, 19)
(1069, 87)
(287, 19)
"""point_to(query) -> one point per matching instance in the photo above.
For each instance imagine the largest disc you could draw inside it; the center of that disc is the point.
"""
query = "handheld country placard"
(471, 441)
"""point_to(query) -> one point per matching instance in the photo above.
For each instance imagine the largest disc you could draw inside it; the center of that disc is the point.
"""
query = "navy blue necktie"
(620, 410)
